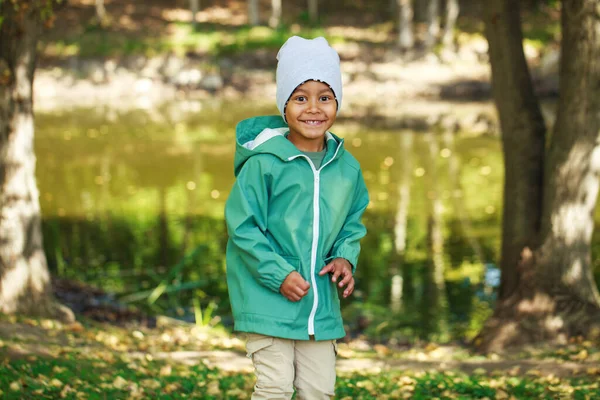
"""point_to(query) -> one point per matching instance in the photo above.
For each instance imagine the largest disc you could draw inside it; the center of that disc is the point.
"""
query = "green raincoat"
(283, 216)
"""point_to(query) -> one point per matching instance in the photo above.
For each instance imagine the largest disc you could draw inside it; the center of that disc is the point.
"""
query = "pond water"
(133, 201)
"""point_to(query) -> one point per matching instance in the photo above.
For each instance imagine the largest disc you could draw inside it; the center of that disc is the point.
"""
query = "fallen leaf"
(213, 389)
(120, 383)
(56, 383)
(15, 386)
(166, 370)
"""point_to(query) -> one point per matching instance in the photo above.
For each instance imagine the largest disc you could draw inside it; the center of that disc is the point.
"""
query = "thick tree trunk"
(253, 12)
(452, 10)
(24, 278)
(556, 296)
(406, 39)
(523, 137)
(275, 20)
(433, 23)
(573, 162)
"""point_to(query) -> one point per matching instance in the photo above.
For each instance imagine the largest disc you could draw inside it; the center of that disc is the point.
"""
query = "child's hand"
(294, 287)
(340, 267)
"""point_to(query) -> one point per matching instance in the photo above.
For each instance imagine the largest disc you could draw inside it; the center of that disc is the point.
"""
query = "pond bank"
(380, 83)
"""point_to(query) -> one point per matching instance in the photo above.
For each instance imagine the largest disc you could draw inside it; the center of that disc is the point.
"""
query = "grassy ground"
(44, 359)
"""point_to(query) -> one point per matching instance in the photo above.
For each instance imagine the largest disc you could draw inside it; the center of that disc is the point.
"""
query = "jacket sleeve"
(246, 218)
(347, 243)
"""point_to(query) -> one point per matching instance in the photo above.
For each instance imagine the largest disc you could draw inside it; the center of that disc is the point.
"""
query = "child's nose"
(313, 105)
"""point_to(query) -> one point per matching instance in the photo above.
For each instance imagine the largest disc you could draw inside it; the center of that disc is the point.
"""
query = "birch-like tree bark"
(275, 19)
(24, 277)
(452, 10)
(432, 19)
(406, 39)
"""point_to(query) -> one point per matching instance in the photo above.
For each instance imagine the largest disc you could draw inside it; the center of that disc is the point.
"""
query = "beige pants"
(282, 364)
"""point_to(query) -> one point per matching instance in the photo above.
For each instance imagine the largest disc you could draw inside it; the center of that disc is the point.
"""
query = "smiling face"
(310, 112)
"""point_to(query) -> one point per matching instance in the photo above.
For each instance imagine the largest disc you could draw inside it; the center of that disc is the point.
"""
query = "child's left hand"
(340, 267)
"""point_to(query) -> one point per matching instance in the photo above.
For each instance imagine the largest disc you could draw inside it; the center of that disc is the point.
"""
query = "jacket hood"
(267, 134)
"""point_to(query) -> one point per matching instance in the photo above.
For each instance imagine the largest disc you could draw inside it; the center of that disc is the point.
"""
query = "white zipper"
(315, 241)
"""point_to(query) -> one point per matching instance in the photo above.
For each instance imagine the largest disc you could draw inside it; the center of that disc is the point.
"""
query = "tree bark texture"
(573, 162)
(275, 20)
(433, 23)
(24, 277)
(194, 8)
(253, 12)
(406, 39)
(555, 295)
(313, 11)
(523, 137)
(452, 10)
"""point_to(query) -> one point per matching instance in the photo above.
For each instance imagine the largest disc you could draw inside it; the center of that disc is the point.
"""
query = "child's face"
(310, 112)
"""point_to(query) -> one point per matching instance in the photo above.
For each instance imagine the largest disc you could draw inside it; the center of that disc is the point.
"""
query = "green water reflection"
(136, 199)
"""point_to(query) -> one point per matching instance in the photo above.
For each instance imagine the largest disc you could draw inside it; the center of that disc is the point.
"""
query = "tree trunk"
(253, 12)
(452, 10)
(523, 137)
(406, 39)
(433, 23)
(24, 277)
(555, 295)
(194, 8)
(100, 11)
(275, 20)
(313, 11)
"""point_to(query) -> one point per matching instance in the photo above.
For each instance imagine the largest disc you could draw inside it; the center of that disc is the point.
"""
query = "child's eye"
(301, 98)
(325, 98)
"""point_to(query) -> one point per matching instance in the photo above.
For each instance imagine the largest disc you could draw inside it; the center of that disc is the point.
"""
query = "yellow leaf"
(582, 355)
(15, 386)
(150, 383)
(382, 350)
(166, 370)
(213, 389)
(479, 371)
(593, 371)
(58, 370)
(172, 387)
(431, 347)
(119, 383)
(138, 335)
(237, 392)
(56, 383)
(534, 372)
(501, 395)
(75, 327)
(406, 380)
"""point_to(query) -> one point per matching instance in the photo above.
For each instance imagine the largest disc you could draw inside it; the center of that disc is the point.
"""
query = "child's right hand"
(294, 287)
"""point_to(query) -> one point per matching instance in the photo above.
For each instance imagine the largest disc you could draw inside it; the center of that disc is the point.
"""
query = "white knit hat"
(301, 60)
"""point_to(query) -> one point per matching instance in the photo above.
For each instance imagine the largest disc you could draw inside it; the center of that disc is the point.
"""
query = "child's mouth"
(313, 122)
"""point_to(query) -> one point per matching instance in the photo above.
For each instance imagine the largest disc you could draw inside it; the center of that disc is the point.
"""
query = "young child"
(294, 223)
